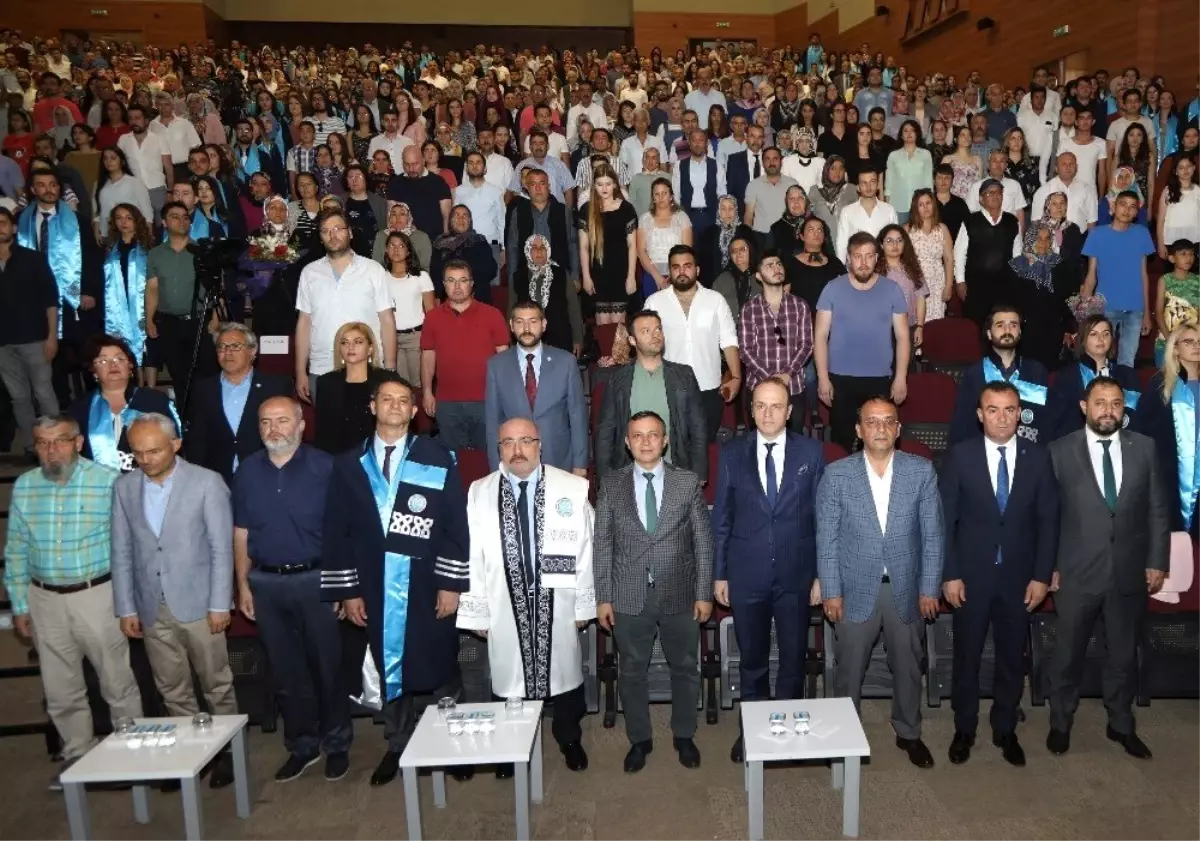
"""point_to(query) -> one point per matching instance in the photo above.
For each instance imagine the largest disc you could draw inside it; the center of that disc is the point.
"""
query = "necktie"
(1110, 477)
(44, 234)
(387, 463)
(651, 504)
(530, 381)
(1001, 490)
(772, 483)
(757, 166)
(523, 528)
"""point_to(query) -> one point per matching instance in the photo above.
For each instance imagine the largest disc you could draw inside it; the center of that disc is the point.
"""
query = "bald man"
(427, 195)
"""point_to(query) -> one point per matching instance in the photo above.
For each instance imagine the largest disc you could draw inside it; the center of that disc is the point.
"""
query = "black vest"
(710, 186)
(988, 252)
(522, 216)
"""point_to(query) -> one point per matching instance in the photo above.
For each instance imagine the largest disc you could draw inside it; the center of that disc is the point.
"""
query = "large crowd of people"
(443, 239)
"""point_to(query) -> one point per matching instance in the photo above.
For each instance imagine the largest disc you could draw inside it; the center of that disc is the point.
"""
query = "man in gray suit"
(1113, 549)
(880, 540)
(172, 572)
(653, 566)
(539, 383)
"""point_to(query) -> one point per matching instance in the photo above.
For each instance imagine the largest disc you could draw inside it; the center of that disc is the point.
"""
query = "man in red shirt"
(50, 98)
(457, 340)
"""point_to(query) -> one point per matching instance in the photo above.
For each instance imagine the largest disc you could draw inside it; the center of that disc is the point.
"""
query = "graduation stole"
(533, 604)
(250, 164)
(125, 298)
(101, 436)
(1086, 375)
(1031, 394)
(65, 252)
(1183, 412)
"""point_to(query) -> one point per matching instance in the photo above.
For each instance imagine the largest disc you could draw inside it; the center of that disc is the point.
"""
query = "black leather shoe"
(505, 771)
(462, 773)
(294, 767)
(222, 771)
(689, 754)
(960, 747)
(387, 769)
(576, 756)
(1134, 746)
(738, 752)
(337, 765)
(1010, 748)
(1058, 742)
(635, 760)
(918, 754)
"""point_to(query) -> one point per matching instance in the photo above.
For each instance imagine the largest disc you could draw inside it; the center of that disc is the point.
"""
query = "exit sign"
(722, 24)
(1061, 31)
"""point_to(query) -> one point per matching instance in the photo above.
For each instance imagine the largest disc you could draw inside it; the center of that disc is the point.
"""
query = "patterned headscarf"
(1055, 225)
(727, 232)
(1038, 268)
(269, 227)
(799, 135)
(541, 278)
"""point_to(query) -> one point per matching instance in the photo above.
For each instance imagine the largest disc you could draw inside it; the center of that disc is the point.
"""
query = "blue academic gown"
(1038, 419)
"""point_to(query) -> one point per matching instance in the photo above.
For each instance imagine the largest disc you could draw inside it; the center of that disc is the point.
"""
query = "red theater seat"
(914, 447)
(833, 452)
(710, 490)
(472, 465)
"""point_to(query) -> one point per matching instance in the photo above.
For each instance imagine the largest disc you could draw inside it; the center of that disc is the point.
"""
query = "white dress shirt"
(1096, 454)
(855, 218)
(1039, 131)
(697, 170)
(486, 203)
(360, 294)
(499, 170)
(394, 146)
(780, 442)
(633, 149)
(1082, 205)
(881, 492)
(145, 158)
(556, 145)
(697, 338)
(1014, 196)
(992, 451)
(963, 242)
(380, 448)
(180, 136)
(594, 111)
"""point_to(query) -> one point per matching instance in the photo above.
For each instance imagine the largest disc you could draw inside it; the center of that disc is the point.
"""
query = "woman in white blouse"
(116, 185)
(659, 230)
(412, 297)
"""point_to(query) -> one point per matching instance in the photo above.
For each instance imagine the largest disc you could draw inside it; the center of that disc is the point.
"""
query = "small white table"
(517, 739)
(113, 761)
(836, 734)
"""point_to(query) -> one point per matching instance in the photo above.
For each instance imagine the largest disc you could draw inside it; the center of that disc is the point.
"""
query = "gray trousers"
(26, 376)
(680, 637)
(903, 641)
(461, 425)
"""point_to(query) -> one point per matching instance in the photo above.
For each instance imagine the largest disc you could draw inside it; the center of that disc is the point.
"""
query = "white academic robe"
(487, 606)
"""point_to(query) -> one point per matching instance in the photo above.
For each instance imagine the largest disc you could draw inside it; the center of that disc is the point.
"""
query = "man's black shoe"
(738, 752)
(294, 767)
(689, 754)
(387, 769)
(222, 771)
(1010, 748)
(337, 765)
(462, 773)
(960, 747)
(576, 756)
(918, 754)
(1134, 746)
(635, 760)
(505, 770)
(1058, 742)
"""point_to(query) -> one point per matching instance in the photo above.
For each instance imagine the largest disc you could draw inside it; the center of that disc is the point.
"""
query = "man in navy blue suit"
(1000, 499)
(764, 528)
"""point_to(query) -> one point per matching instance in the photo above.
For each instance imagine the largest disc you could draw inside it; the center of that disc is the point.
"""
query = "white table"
(113, 761)
(517, 739)
(836, 734)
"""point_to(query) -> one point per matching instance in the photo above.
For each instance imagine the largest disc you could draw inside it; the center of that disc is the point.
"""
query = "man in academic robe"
(395, 555)
(531, 581)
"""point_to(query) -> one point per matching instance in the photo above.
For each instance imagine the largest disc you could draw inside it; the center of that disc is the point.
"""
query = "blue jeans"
(1128, 324)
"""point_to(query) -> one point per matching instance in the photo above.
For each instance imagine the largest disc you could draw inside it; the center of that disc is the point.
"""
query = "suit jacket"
(211, 442)
(851, 550)
(559, 410)
(687, 438)
(1026, 533)
(738, 177)
(758, 546)
(679, 554)
(1101, 550)
(190, 564)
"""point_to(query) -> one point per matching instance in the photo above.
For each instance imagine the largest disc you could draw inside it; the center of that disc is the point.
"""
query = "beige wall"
(850, 12)
(478, 12)
(714, 7)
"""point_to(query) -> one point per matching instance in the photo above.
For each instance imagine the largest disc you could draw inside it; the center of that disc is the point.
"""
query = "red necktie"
(530, 381)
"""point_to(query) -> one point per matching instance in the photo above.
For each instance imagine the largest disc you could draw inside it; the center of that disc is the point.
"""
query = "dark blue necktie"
(1002, 487)
(523, 529)
(44, 234)
(772, 483)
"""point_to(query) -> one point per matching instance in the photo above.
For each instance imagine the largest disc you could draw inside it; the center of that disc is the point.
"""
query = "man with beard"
(486, 203)
(531, 580)
(279, 587)
(499, 169)
(697, 182)
(68, 610)
(1003, 363)
(543, 214)
(540, 383)
(1112, 552)
(321, 120)
(149, 158)
(765, 196)
(427, 195)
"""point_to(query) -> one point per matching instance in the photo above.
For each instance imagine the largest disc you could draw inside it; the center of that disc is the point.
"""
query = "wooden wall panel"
(671, 31)
(792, 27)
(160, 23)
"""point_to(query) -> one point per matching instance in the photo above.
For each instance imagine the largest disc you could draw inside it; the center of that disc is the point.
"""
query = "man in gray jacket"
(172, 572)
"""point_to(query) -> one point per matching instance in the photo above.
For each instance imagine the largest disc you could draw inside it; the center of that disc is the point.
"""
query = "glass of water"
(514, 705)
(446, 706)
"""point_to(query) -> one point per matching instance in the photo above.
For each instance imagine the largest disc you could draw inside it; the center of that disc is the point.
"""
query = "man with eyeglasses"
(880, 539)
(531, 581)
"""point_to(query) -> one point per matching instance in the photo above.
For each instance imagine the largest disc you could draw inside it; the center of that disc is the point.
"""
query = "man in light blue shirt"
(156, 495)
(874, 95)
(486, 203)
(233, 401)
(705, 96)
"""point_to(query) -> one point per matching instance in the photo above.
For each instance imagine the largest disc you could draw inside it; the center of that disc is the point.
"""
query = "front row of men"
(386, 538)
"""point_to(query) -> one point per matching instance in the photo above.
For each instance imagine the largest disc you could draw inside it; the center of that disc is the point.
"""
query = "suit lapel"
(862, 468)
(1081, 452)
(792, 465)
(1127, 457)
(896, 491)
(178, 483)
(250, 410)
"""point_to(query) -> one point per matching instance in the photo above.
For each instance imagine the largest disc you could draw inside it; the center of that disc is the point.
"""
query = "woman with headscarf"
(785, 110)
(463, 242)
(400, 219)
(544, 281)
(737, 282)
(833, 194)
(806, 166)
(1066, 238)
(712, 247)
(1124, 180)
(1041, 281)
(787, 233)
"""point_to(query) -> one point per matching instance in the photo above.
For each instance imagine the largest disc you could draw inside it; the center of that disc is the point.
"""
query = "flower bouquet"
(266, 255)
(1083, 308)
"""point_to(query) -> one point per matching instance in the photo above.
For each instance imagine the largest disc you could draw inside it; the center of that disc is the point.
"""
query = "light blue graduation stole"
(1183, 412)
(1029, 392)
(250, 164)
(103, 439)
(65, 252)
(125, 299)
(1086, 374)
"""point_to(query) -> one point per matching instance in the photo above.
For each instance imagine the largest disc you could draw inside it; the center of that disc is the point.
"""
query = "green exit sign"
(1061, 31)
(722, 24)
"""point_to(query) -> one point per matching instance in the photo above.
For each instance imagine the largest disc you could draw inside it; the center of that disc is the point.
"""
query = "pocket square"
(803, 469)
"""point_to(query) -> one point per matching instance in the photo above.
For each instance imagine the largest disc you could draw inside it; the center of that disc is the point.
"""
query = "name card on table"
(273, 345)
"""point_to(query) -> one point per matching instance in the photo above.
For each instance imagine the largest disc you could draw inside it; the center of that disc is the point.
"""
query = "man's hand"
(580, 471)
(1035, 593)
(899, 389)
(701, 611)
(1154, 580)
(218, 621)
(729, 388)
(604, 615)
(580, 624)
(356, 611)
(929, 607)
(302, 386)
(428, 401)
(955, 592)
(23, 623)
(245, 603)
(50, 348)
(834, 609)
(825, 391)
(131, 627)
(87, 302)
(447, 603)
(814, 595)
(151, 328)
(721, 593)
(1054, 582)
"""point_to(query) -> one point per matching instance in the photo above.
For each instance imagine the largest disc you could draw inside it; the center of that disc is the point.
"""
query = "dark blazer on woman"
(1068, 390)
(344, 421)
(142, 400)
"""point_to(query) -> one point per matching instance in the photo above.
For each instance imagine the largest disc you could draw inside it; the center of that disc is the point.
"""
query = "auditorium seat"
(710, 489)
(950, 345)
(252, 682)
(914, 447)
(1144, 376)
(926, 412)
(1169, 656)
(605, 334)
(833, 452)
(472, 465)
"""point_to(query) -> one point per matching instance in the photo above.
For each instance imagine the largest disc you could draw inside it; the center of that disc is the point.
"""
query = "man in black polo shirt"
(28, 329)
(278, 509)
(427, 196)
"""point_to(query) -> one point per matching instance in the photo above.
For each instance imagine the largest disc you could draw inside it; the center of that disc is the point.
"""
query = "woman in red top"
(114, 122)
(18, 143)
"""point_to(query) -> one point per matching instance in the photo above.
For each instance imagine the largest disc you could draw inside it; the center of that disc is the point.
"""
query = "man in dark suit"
(744, 166)
(650, 383)
(542, 384)
(1000, 501)
(653, 562)
(223, 428)
(765, 537)
(1113, 550)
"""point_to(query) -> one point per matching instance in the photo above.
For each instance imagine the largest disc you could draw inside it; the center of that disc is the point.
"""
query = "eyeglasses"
(231, 347)
(893, 241)
(880, 423)
(1188, 343)
(53, 443)
(337, 229)
(509, 443)
(111, 361)
(779, 336)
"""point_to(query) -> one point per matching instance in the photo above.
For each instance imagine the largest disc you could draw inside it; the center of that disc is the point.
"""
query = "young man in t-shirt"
(1089, 151)
(1117, 270)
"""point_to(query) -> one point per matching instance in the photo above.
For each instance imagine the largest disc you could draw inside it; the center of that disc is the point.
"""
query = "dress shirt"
(854, 218)
(529, 513)
(146, 158)
(155, 498)
(1096, 454)
(486, 203)
(697, 338)
(700, 102)
(992, 451)
(632, 150)
(1053, 104)
(537, 361)
(1014, 196)
(777, 453)
(639, 487)
(556, 145)
(379, 447)
(180, 136)
(1082, 204)
(394, 146)
(499, 171)
(1039, 131)
(964, 241)
(595, 114)
(881, 493)
(233, 402)
(731, 146)
(697, 170)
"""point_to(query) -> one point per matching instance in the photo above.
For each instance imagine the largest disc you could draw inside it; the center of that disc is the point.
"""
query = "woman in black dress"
(608, 247)
(1042, 281)
(343, 405)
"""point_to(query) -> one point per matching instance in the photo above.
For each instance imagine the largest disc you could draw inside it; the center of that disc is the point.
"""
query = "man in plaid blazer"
(653, 567)
(880, 540)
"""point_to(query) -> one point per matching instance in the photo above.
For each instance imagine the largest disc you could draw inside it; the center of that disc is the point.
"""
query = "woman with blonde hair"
(608, 246)
(343, 413)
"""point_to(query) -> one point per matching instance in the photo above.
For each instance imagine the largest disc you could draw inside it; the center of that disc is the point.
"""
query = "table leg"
(77, 811)
(755, 775)
(193, 825)
(439, 788)
(522, 780)
(535, 765)
(241, 773)
(412, 804)
(141, 804)
(839, 772)
(850, 796)
(746, 776)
